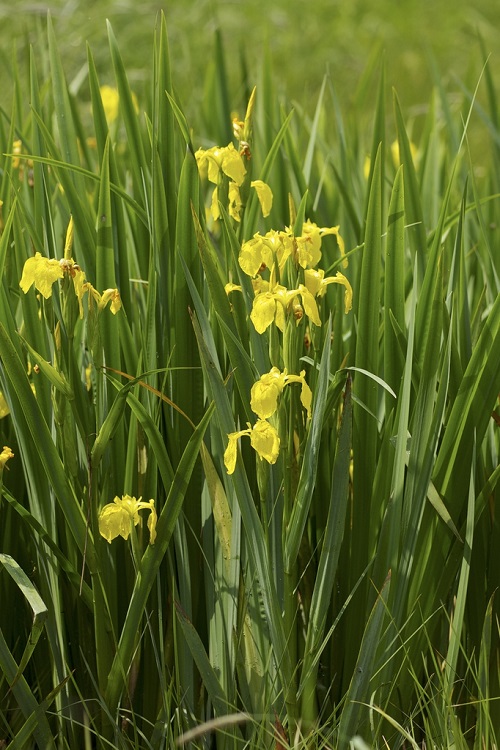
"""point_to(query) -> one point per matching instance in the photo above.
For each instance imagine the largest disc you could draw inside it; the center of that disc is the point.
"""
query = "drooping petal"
(232, 164)
(313, 278)
(254, 254)
(231, 452)
(80, 287)
(152, 521)
(214, 206)
(306, 394)
(265, 441)
(112, 295)
(309, 304)
(341, 279)
(115, 520)
(265, 393)
(235, 203)
(230, 287)
(263, 311)
(42, 272)
(264, 195)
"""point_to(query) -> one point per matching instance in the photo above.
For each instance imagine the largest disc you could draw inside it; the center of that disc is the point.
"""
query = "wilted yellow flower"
(5, 455)
(317, 284)
(264, 439)
(116, 518)
(264, 195)
(266, 391)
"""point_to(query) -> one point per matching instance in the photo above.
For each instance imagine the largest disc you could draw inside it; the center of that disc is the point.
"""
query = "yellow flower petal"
(265, 393)
(81, 287)
(264, 195)
(214, 206)
(309, 304)
(234, 201)
(42, 272)
(306, 395)
(232, 164)
(263, 311)
(341, 279)
(116, 518)
(5, 456)
(314, 279)
(113, 296)
(230, 287)
(152, 521)
(231, 452)
(255, 254)
(265, 441)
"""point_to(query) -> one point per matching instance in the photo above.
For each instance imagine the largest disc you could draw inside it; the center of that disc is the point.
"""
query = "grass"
(335, 590)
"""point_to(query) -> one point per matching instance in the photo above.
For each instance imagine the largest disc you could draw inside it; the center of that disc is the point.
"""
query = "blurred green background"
(303, 41)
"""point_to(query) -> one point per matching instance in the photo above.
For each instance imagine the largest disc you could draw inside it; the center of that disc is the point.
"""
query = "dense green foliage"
(342, 593)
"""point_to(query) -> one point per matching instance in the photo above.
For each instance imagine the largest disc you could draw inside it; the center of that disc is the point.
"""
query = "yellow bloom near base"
(266, 391)
(116, 518)
(5, 455)
(264, 439)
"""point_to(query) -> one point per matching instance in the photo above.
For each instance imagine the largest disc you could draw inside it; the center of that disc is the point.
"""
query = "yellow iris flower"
(218, 161)
(42, 272)
(116, 518)
(270, 306)
(261, 251)
(5, 455)
(226, 160)
(317, 284)
(266, 391)
(264, 195)
(263, 438)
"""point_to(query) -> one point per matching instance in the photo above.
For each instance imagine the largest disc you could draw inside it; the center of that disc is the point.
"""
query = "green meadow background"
(424, 41)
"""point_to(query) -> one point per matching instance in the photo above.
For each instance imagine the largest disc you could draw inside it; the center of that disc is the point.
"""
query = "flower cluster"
(264, 397)
(117, 518)
(264, 258)
(272, 251)
(217, 162)
(42, 272)
(224, 167)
